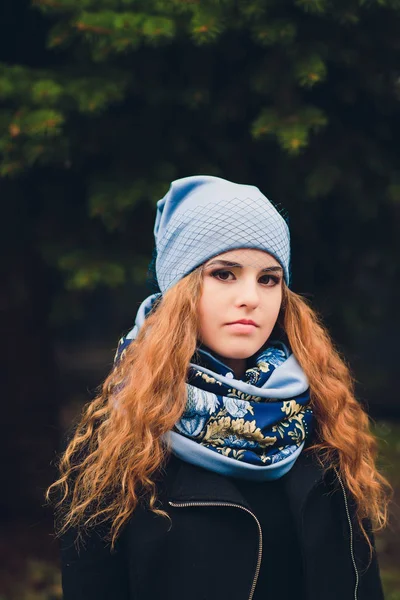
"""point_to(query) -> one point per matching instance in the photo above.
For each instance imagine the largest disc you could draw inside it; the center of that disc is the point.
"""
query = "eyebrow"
(227, 263)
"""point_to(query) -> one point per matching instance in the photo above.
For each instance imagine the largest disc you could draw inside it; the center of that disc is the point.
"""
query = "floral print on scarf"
(242, 426)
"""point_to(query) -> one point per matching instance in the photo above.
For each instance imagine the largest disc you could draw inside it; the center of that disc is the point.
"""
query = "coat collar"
(195, 484)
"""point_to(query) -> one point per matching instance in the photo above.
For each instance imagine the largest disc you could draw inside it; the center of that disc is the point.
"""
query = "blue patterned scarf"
(252, 428)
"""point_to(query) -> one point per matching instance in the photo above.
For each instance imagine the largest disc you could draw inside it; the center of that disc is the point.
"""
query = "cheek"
(204, 311)
(209, 310)
(273, 309)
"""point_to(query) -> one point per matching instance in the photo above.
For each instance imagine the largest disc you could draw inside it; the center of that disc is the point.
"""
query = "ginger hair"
(117, 448)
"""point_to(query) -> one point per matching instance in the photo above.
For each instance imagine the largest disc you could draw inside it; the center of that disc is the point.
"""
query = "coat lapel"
(192, 483)
(305, 474)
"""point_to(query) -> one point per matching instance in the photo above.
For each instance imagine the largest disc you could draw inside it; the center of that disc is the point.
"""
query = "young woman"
(226, 456)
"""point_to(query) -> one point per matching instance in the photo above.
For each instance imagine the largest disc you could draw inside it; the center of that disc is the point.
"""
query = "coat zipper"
(351, 534)
(260, 541)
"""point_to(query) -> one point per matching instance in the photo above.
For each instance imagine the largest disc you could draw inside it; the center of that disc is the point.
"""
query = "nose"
(248, 293)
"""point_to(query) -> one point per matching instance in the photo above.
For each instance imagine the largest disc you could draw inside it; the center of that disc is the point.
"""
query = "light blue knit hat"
(202, 216)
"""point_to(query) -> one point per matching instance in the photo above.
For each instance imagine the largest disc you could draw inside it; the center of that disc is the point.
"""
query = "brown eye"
(220, 274)
(271, 280)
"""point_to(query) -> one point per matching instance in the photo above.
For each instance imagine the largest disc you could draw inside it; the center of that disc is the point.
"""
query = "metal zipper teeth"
(260, 541)
(351, 535)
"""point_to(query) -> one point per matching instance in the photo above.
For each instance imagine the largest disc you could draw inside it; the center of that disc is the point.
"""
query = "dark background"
(102, 104)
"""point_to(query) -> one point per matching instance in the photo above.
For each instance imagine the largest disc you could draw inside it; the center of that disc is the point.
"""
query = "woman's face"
(248, 287)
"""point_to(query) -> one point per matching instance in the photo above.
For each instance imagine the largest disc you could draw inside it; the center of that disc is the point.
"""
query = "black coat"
(213, 549)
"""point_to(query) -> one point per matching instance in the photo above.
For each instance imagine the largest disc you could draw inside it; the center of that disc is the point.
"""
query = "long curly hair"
(117, 448)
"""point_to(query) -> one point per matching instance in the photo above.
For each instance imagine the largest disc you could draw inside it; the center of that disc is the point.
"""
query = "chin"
(239, 353)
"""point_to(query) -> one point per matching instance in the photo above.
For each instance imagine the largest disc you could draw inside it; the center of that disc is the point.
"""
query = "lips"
(244, 322)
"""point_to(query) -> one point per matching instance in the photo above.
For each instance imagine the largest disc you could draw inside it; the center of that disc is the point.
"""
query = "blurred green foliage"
(388, 540)
(39, 580)
(297, 97)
